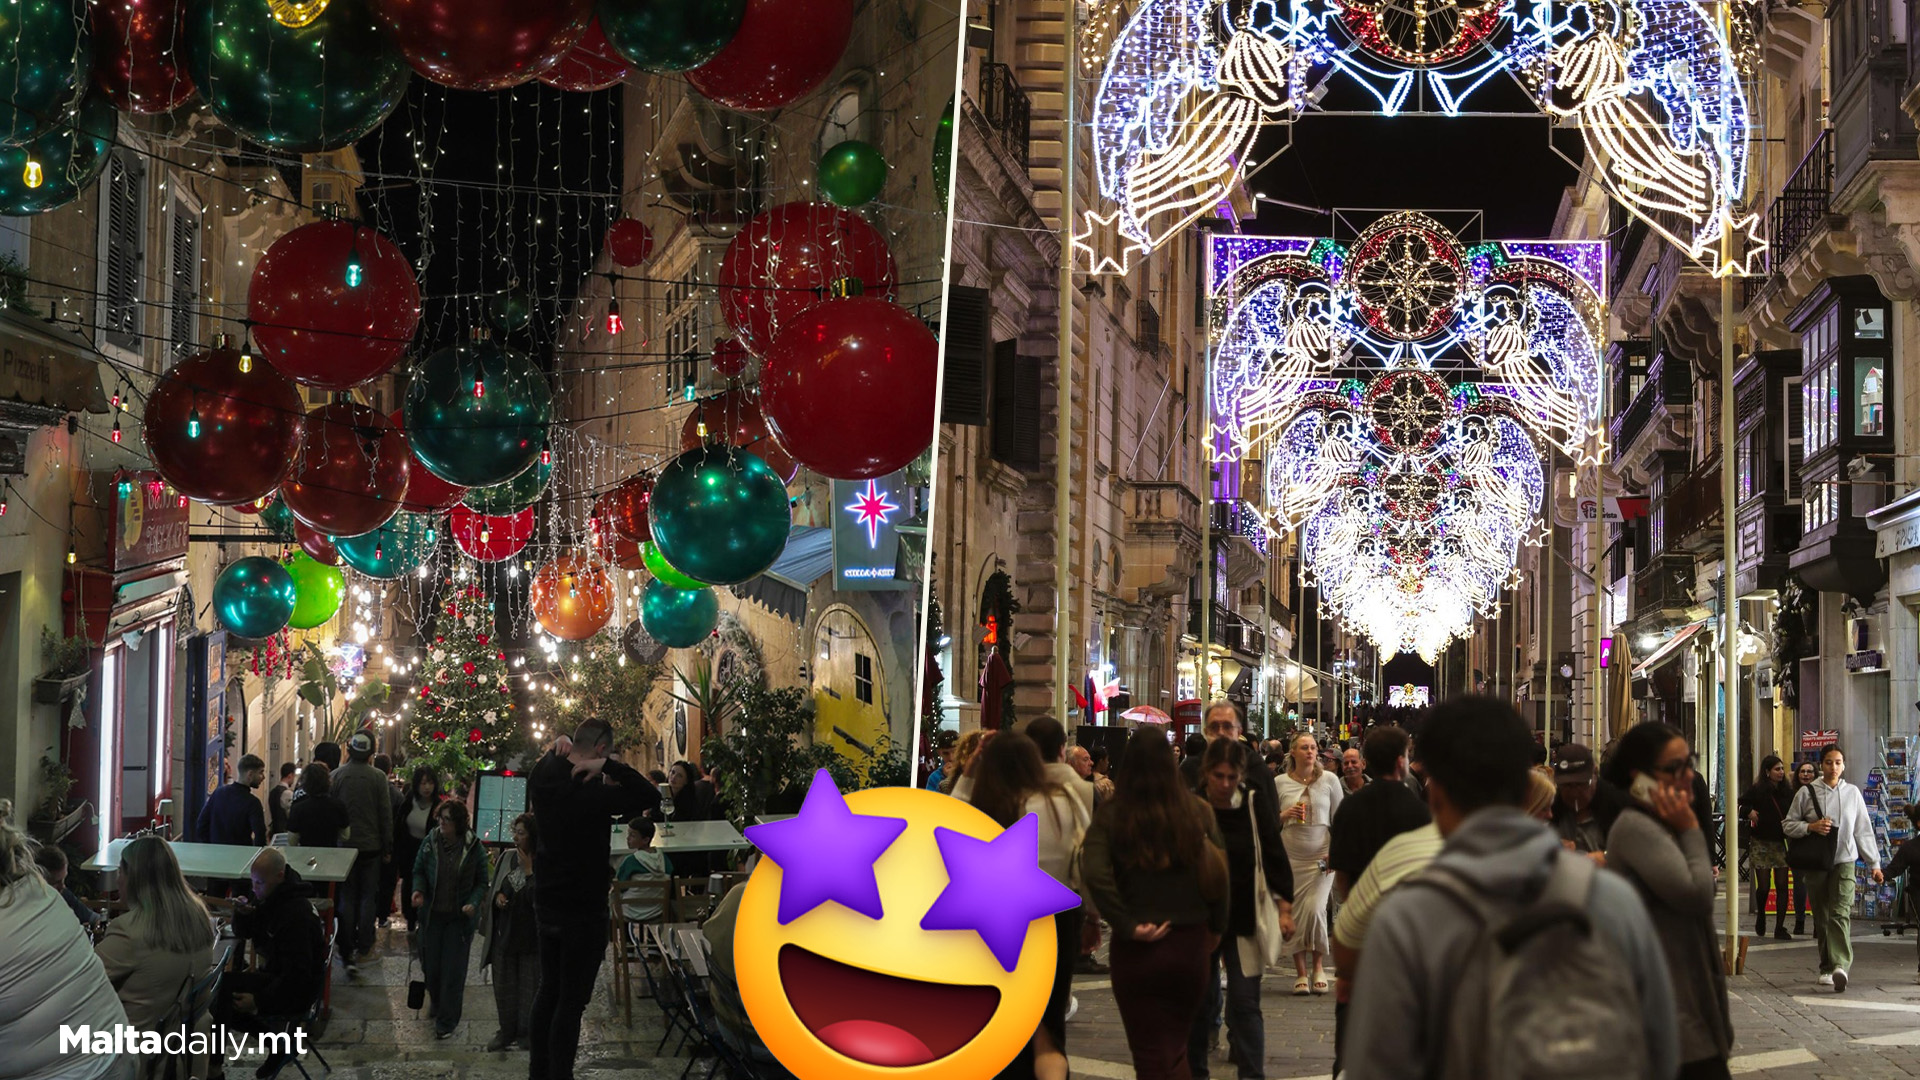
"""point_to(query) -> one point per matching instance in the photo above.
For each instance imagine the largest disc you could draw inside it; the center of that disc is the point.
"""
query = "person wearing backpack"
(1657, 844)
(1828, 825)
(1508, 956)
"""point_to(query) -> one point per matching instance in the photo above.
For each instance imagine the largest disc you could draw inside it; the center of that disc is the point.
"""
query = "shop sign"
(1818, 740)
(866, 532)
(1900, 536)
(1866, 660)
(149, 524)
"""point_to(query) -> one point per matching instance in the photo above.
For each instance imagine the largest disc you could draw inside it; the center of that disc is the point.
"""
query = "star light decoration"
(1403, 393)
(1653, 85)
(871, 508)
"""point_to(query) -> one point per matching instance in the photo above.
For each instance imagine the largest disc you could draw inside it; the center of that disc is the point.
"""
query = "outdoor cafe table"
(328, 865)
(672, 836)
(224, 862)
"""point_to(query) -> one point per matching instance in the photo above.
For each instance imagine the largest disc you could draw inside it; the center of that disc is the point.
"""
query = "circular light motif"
(1407, 273)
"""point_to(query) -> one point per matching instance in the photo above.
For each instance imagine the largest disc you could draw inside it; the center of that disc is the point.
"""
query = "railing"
(1803, 202)
(1161, 505)
(1665, 584)
(1006, 109)
(1629, 422)
(1230, 631)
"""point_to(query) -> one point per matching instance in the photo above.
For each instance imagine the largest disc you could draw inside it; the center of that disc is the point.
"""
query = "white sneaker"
(1824, 980)
(1073, 1006)
(1839, 980)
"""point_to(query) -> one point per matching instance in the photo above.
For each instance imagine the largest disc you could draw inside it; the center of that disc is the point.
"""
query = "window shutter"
(183, 282)
(1016, 407)
(121, 321)
(968, 359)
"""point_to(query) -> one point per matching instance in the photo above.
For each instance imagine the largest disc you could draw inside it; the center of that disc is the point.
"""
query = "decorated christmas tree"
(464, 718)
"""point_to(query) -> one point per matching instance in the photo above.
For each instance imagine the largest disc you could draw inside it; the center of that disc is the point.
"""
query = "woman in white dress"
(1308, 797)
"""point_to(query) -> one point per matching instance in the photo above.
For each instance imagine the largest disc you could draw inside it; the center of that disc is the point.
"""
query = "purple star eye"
(996, 888)
(827, 852)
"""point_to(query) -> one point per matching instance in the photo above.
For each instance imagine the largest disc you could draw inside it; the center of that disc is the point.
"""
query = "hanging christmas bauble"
(572, 597)
(483, 44)
(720, 514)
(279, 521)
(783, 50)
(624, 509)
(592, 64)
(629, 242)
(787, 259)
(426, 493)
(488, 538)
(849, 388)
(253, 598)
(65, 160)
(45, 56)
(300, 89)
(729, 358)
(662, 570)
(678, 618)
(477, 413)
(511, 311)
(943, 154)
(333, 304)
(516, 494)
(140, 54)
(639, 645)
(670, 35)
(318, 591)
(318, 545)
(221, 434)
(620, 551)
(733, 418)
(852, 173)
(393, 550)
(350, 475)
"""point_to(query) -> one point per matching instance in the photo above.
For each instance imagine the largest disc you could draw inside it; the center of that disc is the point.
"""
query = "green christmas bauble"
(852, 173)
(669, 35)
(678, 618)
(45, 61)
(278, 520)
(662, 570)
(393, 550)
(254, 597)
(719, 514)
(513, 496)
(477, 413)
(943, 154)
(318, 589)
(511, 311)
(70, 158)
(300, 89)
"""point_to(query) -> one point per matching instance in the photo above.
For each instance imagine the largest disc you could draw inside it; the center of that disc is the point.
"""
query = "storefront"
(1896, 529)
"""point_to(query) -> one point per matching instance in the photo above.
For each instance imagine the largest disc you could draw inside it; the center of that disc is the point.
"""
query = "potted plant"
(51, 821)
(66, 663)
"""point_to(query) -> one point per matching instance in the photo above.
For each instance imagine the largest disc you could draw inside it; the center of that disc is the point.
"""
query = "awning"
(39, 367)
(783, 588)
(1668, 650)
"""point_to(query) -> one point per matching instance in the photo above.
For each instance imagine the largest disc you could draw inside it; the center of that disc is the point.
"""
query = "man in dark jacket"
(233, 814)
(577, 791)
(1378, 812)
(290, 946)
(280, 799)
(364, 791)
(1584, 811)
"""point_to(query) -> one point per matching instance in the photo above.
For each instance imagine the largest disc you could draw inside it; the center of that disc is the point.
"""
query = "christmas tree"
(464, 720)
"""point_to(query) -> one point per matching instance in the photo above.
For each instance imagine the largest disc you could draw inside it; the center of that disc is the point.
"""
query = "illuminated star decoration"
(996, 888)
(827, 852)
(871, 508)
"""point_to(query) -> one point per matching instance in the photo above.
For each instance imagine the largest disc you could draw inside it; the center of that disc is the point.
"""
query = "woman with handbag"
(449, 885)
(1259, 909)
(508, 941)
(1006, 780)
(1827, 828)
(1765, 804)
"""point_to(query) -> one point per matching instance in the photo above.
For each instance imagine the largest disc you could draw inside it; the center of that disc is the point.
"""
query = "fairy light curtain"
(1403, 393)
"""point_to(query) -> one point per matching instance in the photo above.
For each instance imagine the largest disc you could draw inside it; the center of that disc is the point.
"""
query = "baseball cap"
(1573, 762)
(361, 743)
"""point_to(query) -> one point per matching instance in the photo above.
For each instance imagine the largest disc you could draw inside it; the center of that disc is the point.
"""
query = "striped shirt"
(1399, 859)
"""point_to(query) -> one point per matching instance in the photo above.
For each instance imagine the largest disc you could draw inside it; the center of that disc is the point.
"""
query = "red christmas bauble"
(783, 262)
(140, 54)
(782, 51)
(475, 736)
(318, 322)
(849, 388)
(316, 545)
(621, 552)
(467, 667)
(624, 509)
(483, 44)
(629, 241)
(592, 64)
(729, 358)
(350, 475)
(440, 736)
(480, 639)
(222, 435)
(734, 418)
(426, 492)
(490, 538)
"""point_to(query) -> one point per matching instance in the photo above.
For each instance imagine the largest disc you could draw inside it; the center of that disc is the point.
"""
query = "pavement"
(1785, 1026)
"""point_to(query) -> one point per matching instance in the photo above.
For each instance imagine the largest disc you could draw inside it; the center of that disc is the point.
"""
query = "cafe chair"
(686, 965)
(630, 944)
(308, 1021)
(691, 901)
(190, 1014)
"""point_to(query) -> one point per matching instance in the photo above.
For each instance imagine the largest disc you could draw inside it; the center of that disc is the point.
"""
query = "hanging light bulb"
(246, 362)
(3, 501)
(33, 175)
(193, 423)
(546, 455)
(379, 552)
(615, 323)
(115, 399)
(354, 269)
(701, 429)
(115, 433)
(72, 555)
(296, 13)
(479, 388)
